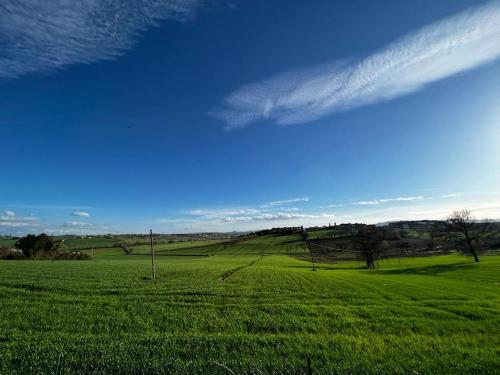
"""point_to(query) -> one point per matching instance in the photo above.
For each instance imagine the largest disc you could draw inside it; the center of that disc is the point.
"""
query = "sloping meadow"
(249, 312)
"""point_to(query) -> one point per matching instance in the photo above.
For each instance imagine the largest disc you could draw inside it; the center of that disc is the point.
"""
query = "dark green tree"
(32, 244)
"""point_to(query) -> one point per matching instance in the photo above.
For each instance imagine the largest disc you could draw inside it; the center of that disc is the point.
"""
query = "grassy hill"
(249, 305)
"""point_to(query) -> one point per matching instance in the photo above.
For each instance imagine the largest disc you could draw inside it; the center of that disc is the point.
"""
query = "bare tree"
(463, 224)
(368, 242)
(124, 246)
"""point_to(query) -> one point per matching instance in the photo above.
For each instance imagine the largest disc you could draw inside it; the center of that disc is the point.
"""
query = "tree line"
(461, 230)
(370, 242)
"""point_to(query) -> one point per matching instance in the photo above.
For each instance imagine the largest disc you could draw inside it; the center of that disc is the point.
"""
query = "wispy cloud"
(452, 195)
(402, 199)
(47, 206)
(332, 206)
(286, 202)
(221, 213)
(366, 203)
(9, 213)
(437, 51)
(77, 224)
(11, 220)
(386, 200)
(218, 213)
(258, 216)
(48, 35)
(278, 216)
(14, 223)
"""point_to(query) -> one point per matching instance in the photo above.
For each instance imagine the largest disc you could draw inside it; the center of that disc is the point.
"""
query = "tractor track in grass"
(232, 271)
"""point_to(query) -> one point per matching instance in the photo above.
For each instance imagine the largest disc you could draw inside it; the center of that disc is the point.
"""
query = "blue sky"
(215, 115)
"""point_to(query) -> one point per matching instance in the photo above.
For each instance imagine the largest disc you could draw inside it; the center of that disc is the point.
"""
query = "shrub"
(7, 253)
(124, 246)
(32, 244)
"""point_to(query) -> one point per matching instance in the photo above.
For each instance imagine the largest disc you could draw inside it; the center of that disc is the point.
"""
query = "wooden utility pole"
(153, 268)
(312, 257)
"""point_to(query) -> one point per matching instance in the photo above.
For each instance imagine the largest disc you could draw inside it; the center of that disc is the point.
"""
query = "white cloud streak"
(452, 195)
(278, 216)
(77, 224)
(286, 202)
(224, 213)
(13, 223)
(366, 203)
(273, 213)
(47, 206)
(440, 50)
(11, 220)
(49, 35)
(217, 213)
(387, 200)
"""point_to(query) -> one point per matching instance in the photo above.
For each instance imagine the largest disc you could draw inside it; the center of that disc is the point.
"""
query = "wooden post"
(312, 257)
(153, 268)
(93, 254)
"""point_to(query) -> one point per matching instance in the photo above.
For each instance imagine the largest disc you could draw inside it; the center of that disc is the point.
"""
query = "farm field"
(249, 307)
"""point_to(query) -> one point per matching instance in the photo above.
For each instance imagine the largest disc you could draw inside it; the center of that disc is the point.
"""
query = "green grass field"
(251, 306)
